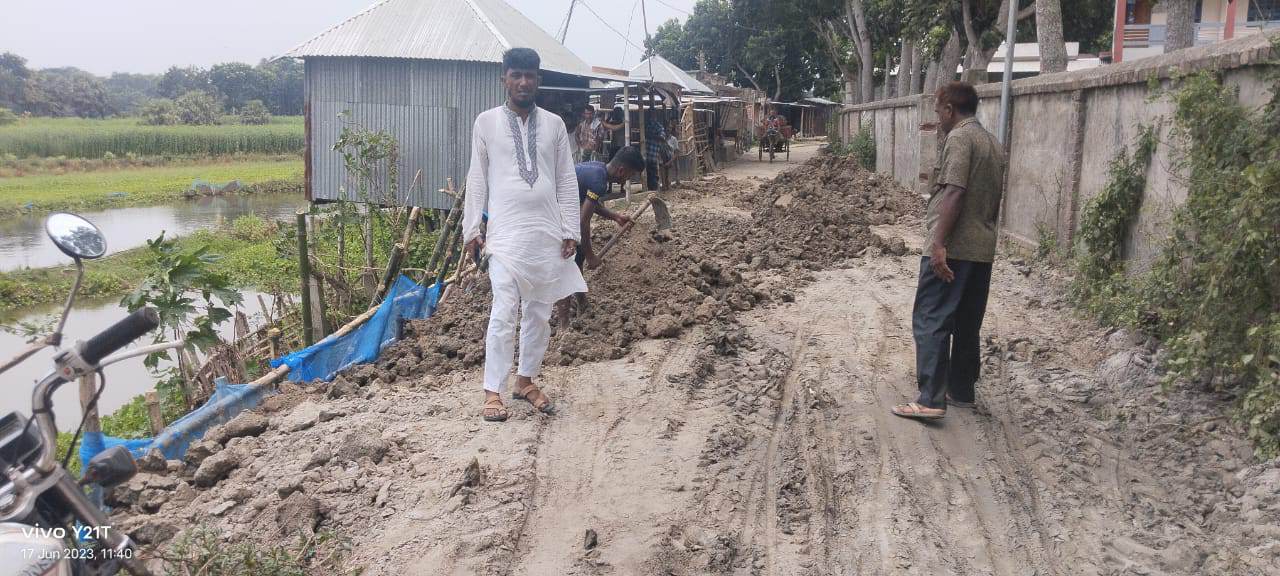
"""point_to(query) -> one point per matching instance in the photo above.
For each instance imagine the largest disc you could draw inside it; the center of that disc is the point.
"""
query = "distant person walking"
(955, 270)
(522, 174)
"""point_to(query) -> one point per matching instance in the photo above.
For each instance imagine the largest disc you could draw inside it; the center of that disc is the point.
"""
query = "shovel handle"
(627, 228)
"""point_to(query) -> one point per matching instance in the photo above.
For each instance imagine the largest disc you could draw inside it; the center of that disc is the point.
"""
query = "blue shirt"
(593, 180)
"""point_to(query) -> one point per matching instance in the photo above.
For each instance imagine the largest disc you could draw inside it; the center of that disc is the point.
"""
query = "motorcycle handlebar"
(119, 335)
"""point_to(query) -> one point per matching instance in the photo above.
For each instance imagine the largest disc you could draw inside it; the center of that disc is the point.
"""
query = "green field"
(135, 187)
(95, 138)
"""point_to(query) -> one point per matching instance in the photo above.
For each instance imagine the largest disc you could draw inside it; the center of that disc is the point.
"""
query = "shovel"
(661, 217)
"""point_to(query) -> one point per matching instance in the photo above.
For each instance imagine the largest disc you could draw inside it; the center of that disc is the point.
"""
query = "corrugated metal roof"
(666, 72)
(466, 30)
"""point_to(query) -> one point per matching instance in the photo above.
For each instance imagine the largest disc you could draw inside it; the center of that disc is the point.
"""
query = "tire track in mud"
(763, 494)
(608, 406)
(919, 500)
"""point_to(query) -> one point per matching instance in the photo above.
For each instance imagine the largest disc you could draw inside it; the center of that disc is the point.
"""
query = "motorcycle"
(48, 526)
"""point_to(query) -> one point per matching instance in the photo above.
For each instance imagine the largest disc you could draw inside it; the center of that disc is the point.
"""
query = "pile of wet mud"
(821, 212)
(709, 266)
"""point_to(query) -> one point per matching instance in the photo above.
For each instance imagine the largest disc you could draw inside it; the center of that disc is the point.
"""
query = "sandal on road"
(494, 411)
(918, 412)
(534, 396)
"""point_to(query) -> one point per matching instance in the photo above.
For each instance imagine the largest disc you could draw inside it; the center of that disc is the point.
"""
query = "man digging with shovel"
(594, 179)
(522, 173)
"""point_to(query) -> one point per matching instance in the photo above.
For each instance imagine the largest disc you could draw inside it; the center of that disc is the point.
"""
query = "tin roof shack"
(659, 70)
(421, 70)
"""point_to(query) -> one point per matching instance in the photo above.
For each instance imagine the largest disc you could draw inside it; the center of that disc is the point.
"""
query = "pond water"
(23, 243)
(124, 380)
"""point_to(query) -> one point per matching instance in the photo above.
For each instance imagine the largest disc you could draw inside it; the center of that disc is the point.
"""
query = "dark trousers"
(945, 321)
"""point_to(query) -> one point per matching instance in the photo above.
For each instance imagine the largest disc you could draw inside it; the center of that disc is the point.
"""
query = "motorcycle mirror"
(75, 236)
(110, 467)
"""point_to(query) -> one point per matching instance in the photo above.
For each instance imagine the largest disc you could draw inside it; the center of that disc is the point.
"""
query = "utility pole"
(564, 28)
(648, 41)
(1010, 40)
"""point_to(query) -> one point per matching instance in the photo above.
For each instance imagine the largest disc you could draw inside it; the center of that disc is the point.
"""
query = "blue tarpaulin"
(227, 401)
(321, 361)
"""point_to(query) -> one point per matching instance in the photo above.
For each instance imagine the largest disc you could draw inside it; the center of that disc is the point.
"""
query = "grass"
(96, 138)
(204, 550)
(141, 186)
(251, 260)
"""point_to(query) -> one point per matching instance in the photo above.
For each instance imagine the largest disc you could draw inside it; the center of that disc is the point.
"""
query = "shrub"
(7, 117)
(252, 228)
(160, 112)
(1213, 294)
(863, 148)
(198, 108)
(255, 113)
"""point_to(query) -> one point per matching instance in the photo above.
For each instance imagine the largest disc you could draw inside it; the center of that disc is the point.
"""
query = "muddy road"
(726, 411)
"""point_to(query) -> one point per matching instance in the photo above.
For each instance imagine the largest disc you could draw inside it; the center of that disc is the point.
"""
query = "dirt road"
(760, 442)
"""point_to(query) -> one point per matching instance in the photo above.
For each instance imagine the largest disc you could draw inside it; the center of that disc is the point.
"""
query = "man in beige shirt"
(955, 270)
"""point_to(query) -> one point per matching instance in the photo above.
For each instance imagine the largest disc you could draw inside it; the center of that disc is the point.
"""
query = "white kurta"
(522, 174)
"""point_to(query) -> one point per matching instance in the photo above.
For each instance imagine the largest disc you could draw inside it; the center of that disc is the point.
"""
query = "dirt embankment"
(712, 265)
(724, 411)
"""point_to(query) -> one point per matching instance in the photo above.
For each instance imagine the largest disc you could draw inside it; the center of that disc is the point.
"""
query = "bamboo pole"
(187, 366)
(397, 256)
(304, 265)
(644, 138)
(455, 248)
(367, 279)
(454, 216)
(89, 387)
(153, 412)
(266, 311)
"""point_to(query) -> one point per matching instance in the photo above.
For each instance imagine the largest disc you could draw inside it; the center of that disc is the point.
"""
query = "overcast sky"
(151, 35)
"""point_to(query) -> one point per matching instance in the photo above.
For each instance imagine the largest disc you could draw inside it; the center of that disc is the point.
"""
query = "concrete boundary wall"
(1064, 131)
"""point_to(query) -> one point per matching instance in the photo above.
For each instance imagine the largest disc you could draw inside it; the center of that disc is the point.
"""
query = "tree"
(906, 67)
(66, 92)
(178, 81)
(284, 86)
(669, 42)
(13, 81)
(757, 43)
(127, 93)
(254, 112)
(191, 297)
(238, 83)
(160, 112)
(1053, 49)
(856, 21)
(985, 25)
(198, 108)
(1181, 31)
(1089, 22)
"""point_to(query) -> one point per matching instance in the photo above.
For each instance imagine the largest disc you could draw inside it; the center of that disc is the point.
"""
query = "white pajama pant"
(535, 331)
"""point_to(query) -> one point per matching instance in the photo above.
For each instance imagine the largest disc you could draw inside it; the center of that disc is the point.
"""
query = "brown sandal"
(534, 396)
(494, 411)
(917, 411)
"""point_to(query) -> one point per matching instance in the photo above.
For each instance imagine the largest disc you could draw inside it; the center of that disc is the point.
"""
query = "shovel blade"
(661, 215)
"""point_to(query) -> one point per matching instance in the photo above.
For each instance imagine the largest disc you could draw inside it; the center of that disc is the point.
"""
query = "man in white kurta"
(522, 178)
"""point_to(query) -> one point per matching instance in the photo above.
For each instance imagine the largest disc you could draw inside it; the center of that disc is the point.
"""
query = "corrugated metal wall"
(429, 106)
